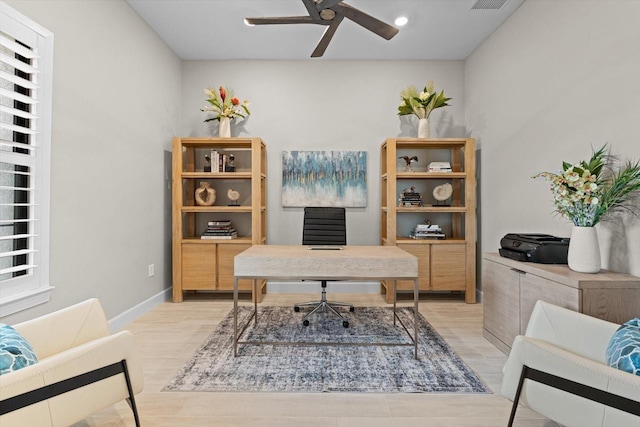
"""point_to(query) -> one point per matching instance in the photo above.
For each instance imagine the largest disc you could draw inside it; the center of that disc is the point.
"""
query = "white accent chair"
(82, 368)
(562, 355)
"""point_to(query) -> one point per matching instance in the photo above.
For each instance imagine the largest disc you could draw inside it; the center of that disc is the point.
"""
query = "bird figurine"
(233, 195)
(409, 160)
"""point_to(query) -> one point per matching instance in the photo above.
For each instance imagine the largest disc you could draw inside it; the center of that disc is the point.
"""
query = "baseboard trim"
(123, 319)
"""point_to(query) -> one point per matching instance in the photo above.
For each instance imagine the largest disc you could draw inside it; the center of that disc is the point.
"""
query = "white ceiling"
(215, 29)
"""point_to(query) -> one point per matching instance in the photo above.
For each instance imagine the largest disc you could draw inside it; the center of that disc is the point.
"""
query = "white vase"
(224, 131)
(584, 251)
(423, 128)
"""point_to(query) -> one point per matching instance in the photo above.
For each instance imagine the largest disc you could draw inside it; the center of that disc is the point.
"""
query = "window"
(26, 65)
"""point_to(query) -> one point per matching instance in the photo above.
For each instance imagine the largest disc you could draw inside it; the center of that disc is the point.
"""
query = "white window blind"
(26, 52)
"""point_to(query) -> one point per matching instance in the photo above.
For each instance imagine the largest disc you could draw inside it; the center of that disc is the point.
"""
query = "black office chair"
(324, 226)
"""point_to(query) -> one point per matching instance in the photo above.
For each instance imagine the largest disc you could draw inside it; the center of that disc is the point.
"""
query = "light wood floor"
(170, 333)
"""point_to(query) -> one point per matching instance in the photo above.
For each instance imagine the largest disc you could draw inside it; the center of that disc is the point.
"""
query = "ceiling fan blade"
(375, 25)
(326, 37)
(311, 8)
(282, 20)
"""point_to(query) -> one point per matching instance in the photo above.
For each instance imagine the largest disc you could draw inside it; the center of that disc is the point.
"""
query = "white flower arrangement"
(586, 192)
(421, 103)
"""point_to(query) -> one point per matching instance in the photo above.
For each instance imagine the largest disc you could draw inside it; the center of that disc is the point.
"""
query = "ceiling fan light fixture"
(401, 21)
(327, 14)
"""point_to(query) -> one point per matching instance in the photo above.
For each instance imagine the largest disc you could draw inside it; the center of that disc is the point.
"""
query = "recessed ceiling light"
(402, 20)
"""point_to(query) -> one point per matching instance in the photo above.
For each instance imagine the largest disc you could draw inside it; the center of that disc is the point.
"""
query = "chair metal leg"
(516, 399)
(131, 400)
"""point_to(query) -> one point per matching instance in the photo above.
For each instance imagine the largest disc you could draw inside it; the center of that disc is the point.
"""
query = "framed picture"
(324, 178)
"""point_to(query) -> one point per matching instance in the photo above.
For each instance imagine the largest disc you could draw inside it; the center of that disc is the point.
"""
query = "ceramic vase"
(423, 128)
(205, 195)
(584, 251)
(224, 131)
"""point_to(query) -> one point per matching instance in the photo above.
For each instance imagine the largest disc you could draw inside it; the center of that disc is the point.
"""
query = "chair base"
(324, 306)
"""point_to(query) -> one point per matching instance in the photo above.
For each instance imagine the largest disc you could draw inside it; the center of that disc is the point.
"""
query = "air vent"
(488, 4)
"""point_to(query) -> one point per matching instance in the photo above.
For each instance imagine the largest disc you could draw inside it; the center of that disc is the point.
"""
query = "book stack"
(410, 198)
(427, 231)
(439, 167)
(222, 162)
(219, 230)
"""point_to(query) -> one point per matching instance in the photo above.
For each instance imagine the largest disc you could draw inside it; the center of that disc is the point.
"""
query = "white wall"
(322, 105)
(556, 79)
(116, 103)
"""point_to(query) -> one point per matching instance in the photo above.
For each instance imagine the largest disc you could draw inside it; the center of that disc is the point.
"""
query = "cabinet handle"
(518, 271)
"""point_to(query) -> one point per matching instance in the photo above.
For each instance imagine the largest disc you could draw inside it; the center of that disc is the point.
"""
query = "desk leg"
(255, 301)
(393, 290)
(235, 316)
(415, 316)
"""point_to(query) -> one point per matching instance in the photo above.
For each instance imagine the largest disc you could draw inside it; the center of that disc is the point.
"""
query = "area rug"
(344, 368)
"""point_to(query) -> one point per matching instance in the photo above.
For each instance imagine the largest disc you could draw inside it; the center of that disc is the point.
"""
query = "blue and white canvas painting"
(324, 178)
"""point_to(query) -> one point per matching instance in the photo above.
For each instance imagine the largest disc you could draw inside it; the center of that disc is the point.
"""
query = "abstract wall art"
(324, 178)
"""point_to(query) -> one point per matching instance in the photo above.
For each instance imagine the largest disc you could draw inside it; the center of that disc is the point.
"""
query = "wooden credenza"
(511, 288)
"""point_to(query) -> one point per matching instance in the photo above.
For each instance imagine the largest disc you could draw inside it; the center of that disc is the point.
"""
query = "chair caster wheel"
(352, 309)
(305, 322)
(296, 309)
(345, 324)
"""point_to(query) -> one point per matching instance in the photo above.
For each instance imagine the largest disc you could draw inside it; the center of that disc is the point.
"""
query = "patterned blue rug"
(344, 368)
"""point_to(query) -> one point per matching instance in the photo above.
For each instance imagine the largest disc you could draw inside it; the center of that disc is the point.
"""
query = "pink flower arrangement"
(224, 104)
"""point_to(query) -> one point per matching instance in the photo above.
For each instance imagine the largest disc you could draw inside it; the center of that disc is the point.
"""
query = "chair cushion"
(15, 352)
(623, 351)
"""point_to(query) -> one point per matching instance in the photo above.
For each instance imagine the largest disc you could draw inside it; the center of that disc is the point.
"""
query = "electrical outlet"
(152, 270)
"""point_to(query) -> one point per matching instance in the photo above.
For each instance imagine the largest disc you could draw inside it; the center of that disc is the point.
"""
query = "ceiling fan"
(330, 13)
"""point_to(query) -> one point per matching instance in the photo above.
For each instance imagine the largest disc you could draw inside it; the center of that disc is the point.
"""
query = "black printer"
(540, 248)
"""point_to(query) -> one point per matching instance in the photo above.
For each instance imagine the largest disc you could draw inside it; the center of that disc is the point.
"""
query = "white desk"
(279, 262)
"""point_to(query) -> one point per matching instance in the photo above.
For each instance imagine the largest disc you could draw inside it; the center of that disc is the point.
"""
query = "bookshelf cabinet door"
(448, 267)
(226, 253)
(422, 253)
(198, 267)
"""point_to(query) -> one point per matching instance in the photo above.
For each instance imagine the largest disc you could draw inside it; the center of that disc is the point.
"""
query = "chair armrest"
(76, 405)
(83, 358)
(576, 332)
(557, 405)
(66, 328)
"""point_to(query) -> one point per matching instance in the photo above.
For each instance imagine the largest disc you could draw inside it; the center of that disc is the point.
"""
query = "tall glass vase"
(224, 131)
(584, 251)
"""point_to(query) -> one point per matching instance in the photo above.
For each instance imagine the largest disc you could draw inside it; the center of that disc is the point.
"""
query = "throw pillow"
(623, 351)
(15, 352)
